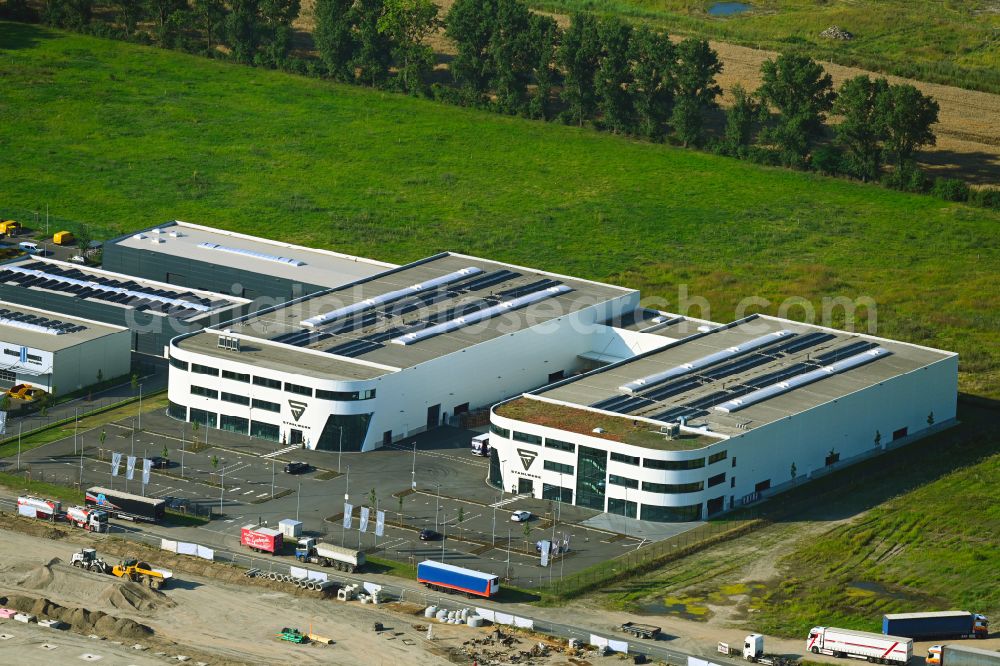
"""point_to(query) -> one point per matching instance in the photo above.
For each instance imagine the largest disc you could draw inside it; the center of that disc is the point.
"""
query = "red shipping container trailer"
(261, 539)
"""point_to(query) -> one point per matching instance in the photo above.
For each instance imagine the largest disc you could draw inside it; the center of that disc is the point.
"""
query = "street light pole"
(298, 497)
(508, 554)
(443, 537)
(340, 447)
(437, 507)
(76, 428)
(81, 465)
(272, 478)
(183, 439)
(413, 472)
(222, 487)
(19, 425)
(493, 532)
(140, 406)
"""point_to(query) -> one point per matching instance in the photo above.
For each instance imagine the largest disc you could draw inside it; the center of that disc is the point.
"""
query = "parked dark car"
(159, 462)
(429, 535)
(296, 468)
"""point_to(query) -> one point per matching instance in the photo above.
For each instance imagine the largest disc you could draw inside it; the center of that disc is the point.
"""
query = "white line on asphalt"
(233, 490)
(280, 451)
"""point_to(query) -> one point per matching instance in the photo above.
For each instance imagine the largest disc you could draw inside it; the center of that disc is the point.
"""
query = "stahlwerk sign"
(298, 408)
(527, 457)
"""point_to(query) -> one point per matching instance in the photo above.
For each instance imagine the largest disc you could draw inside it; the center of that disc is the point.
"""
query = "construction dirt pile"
(79, 619)
(66, 582)
(838, 33)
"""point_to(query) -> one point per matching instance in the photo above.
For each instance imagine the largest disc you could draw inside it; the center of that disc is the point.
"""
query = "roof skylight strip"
(114, 290)
(389, 297)
(799, 381)
(703, 362)
(481, 315)
(252, 253)
(28, 326)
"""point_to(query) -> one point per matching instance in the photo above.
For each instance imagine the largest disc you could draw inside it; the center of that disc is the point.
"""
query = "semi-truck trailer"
(942, 624)
(92, 520)
(449, 578)
(126, 505)
(262, 539)
(961, 655)
(328, 555)
(876, 648)
(38, 507)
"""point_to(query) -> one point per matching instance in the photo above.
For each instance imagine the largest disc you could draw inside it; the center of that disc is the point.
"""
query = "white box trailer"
(38, 507)
(292, 529)
(876, 648)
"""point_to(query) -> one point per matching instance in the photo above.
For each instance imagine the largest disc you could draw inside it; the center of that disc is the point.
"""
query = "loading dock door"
(433, 416)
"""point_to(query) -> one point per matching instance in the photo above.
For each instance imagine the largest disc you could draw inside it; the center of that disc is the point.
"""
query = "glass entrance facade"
(591, 477)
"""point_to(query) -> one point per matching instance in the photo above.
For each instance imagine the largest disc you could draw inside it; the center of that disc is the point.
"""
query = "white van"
(481, 445)
(29, 247)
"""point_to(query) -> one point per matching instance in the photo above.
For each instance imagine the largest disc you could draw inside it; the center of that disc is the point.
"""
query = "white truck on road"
(876, 648)
(90, 519)
(328, 555)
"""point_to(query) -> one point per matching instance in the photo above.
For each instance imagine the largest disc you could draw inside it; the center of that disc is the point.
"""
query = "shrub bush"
(950, 189)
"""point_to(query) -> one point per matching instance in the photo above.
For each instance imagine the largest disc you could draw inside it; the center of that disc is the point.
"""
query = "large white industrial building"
(712, 421)
(604, 404)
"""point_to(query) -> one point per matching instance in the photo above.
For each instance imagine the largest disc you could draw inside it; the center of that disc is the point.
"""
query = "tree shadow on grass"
(15, 36)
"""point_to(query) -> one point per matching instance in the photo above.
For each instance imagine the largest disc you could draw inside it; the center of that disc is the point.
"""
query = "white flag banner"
(348, 515)
(364, 519)
(116, 463)
(380, 523)
(3, 422)
(147, 465)
(129, 467)
(545, 545)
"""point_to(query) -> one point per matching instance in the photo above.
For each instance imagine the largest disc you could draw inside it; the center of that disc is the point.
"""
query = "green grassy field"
(121, 137)
(950, 42)
(915, 530)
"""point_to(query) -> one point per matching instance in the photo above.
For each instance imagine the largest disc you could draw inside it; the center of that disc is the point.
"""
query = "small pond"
(728, 8)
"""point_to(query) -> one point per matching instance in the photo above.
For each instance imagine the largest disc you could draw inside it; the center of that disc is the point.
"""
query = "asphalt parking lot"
(248, 485)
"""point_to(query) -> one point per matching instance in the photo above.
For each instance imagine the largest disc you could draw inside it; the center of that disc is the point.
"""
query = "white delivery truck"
(876, 648)
(481, 445)
(89, 518)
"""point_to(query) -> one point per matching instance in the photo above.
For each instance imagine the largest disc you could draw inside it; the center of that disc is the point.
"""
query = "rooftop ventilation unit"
(97, 286)
(703, 362)
(253, 254)
(799, 381)
(229, 342)
(389, 297)
(481, 315)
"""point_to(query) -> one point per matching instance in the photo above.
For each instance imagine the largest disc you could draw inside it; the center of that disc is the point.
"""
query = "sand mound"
(80, 619)
(70, 583)
(132, 596)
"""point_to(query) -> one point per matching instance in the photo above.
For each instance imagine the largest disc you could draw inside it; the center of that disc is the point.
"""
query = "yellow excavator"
(141, 572)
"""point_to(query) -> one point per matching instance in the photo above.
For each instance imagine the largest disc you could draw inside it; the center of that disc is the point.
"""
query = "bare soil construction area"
(216, 616)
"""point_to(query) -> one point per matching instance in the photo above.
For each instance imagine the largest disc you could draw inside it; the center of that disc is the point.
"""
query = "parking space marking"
(251, 492)
(280, 451)
(263, 495)
(233, 490)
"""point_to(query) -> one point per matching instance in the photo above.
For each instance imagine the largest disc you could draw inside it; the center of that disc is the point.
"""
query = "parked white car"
(520, 516)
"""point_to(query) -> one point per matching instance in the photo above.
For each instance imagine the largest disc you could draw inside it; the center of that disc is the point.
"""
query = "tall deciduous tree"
(512, 54)
(652, 55)
(469, 24)
(578, 56)
(374, 53)
(861, 131)
(334, 37)
(741, 117)
(696, 89)
(544, 33)
(801, 92)
(129, 13)
(209, 16)
(907, 116)
(613, 80)
(407, 23)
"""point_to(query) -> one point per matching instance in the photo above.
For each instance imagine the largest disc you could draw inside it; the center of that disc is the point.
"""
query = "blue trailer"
(942, 624)
(449, 578)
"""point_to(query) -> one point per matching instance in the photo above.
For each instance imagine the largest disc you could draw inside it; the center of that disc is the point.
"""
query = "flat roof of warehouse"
(49, 331)
(250, 253)
(407, 316)
(725, 368)
(109, 288)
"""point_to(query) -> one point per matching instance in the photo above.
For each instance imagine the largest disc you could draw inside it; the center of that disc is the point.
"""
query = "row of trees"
(600, 71)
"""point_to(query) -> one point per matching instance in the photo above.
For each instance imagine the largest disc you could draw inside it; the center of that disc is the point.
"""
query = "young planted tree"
(469, 24)
(334, 37)
(801, 92)
(741, 118)
(407, 23)
(613, 80)
(696, 90)
(129, 13)
(165, 23)
(578, 55)
(861, 130)
(652, 55)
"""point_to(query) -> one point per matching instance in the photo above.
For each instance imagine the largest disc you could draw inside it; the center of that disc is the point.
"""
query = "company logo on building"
(298, 408)
(527, 457)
